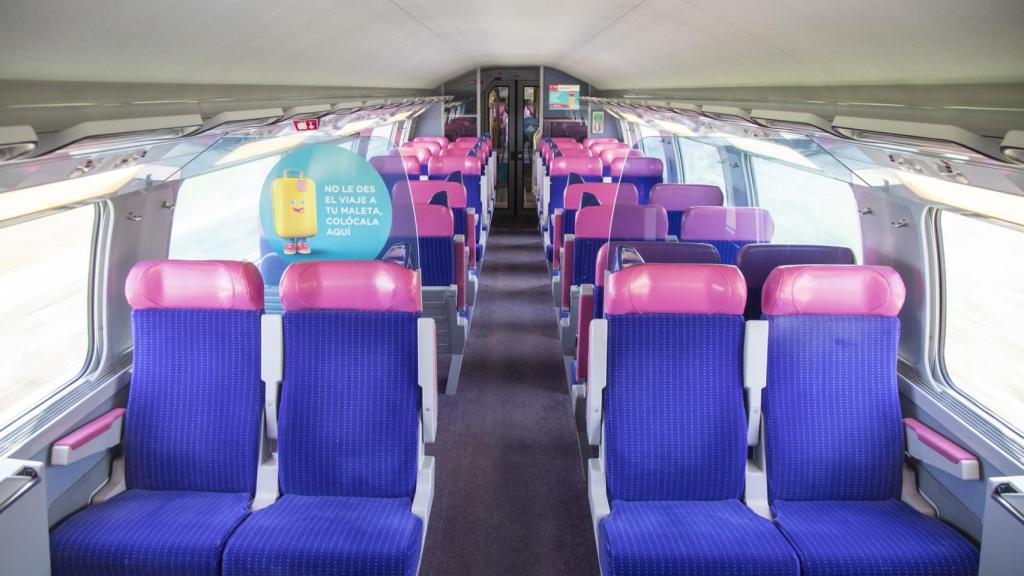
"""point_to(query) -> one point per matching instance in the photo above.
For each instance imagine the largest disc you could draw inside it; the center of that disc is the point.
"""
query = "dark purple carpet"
(510, 497)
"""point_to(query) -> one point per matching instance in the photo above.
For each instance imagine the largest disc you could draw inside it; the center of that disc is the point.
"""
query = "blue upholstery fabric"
(196, 401)
(880, 537)
(598, 302)
(675, 222)
(727, 249)
(459, 214)
(327, 536)
(349, 416)
(437, 260)
(832, 415)
(584, 259)
(700, 538)
(143, 532)
(675, 425)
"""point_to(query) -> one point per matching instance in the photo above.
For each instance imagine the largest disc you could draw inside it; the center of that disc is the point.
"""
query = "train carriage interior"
(440, 288)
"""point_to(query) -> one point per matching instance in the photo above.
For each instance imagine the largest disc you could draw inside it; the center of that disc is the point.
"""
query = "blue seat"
(720, 537)
(596, 226)
(676, 199)
(395, 167)
(673, 434)
(192, 427)
(727, 229)
(618, 255)
(851, 537)
(756, 261)
(349, 428)
(322, 535)
(642, 171)
(148, 532)
(833, 434)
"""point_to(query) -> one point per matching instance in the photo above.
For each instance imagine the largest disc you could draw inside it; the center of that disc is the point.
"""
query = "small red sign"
(309, 125)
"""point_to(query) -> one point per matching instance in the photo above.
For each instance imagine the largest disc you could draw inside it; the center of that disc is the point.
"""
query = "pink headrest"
(575, 152)
(597, 149)
(350, 285)
(400, 164)
(680, 197)
(608, 155)
(442, 165)
(602, 264)
(676, 289)
(434, 147)
(455, 151)
(440, 140)
(421, 191)
(434, 220)
(461, 144)
(464, 139)
(205, 284)
(588, 142)
(420, 153)
(622, 222)
(564, 140)
(642, 166)
(607, 193)
(744, 224)
(838, 290)
(584, 166)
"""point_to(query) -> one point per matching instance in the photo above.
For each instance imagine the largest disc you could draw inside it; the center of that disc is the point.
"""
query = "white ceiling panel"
(610, 43)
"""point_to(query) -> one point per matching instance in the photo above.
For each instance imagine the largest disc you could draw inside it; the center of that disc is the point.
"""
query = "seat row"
(755, 261)
(681, 388)
(263, 444)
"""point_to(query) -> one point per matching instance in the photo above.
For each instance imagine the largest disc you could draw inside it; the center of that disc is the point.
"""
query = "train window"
(45, 312)
(380, 140)
(983, 311)
(808, 208)
(216, 215)
(702, 163)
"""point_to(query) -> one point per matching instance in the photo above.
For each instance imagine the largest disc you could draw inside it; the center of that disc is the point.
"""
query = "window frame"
(72, 391)
(940, 373)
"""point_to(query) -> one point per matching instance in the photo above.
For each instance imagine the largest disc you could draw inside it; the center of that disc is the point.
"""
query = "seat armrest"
(567, 268)
(427, 356)
(586, 314)
(99, 435)
(471, 236)
(597, 379)
(556, 225)
(597, 488)
(755, 487)
(755, 374)
(271, 367)
(461, 268)
(423, 499)
(936, 450)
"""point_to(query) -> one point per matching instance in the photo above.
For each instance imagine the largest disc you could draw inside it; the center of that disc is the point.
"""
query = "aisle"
(511, 497)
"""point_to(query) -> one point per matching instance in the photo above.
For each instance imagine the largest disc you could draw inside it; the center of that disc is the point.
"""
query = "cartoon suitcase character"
(294, 200)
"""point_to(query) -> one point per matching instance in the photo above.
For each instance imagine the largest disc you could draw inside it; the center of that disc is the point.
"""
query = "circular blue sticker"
(322, 202)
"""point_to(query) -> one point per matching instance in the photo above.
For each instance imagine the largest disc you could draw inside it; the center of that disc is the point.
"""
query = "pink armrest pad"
(946, 448)
(556, 223)
(567, 273)
(460, 272)
(93, 429)
(583, 335)
(471, 238)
